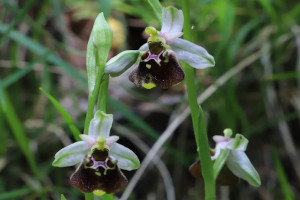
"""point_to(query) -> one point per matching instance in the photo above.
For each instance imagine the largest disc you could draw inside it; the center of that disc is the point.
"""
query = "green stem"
(91, 104)
(100, 92)
(89, 196)
(103, 94)
(197, 114)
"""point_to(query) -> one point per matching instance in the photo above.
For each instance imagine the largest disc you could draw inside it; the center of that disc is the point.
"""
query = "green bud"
(97, 50)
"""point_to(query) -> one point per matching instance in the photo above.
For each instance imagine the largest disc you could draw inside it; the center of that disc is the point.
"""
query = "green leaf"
(127, 160)
(15, 194)
(18, 18)
(62, 197)
(285, 186)
(17, 129)
(28, 68)
(121, 62)
(65, 115)
(157, 8)
(40, 50)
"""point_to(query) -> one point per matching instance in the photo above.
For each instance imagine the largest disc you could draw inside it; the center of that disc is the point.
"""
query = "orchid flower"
(232, 152)
(100, 158)
(156, 62)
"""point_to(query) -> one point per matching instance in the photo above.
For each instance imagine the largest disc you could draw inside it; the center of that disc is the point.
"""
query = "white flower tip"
(219, 138)
(90, 141)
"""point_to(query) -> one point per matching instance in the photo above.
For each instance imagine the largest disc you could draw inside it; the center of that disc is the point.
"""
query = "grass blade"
(67, 117)
(17, 129)
(285, 187)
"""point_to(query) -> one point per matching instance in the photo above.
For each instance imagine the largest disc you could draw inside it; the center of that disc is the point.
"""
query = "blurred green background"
(256, 45)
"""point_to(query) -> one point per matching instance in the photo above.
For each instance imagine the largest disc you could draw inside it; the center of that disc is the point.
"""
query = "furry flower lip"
(156, 63)
(101, 158)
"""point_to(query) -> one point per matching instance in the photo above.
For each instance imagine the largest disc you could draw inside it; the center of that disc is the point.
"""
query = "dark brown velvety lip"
(166, 75)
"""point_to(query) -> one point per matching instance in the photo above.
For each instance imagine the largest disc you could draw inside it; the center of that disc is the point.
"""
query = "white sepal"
(127, 160)
(172, 20)
(121, 62)
(71, 155)
(194, 55)
(100, 125)
(240, 165)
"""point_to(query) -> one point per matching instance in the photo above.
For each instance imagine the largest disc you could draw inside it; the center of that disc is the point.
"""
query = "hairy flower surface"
(100, 158)
(156, 62)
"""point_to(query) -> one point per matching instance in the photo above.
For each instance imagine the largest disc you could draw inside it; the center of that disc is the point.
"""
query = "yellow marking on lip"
(99, 192)
(148, 85)
(148, 66)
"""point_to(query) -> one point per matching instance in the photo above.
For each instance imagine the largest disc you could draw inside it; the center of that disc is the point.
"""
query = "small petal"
(239, 143)
(111, 140)
(240, 165)
(164, 74)
(121, 62)
(90, 141)
(100, 125)
(171, 36)
(71, 155)
(192, 54)
(172, 20)
(126, 158)
(219, 138)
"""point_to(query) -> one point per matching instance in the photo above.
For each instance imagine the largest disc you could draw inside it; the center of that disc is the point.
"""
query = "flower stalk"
(197, 114)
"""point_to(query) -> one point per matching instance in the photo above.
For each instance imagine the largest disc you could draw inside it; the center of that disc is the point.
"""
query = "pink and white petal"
(89, 140)
(220, 138)
(111, 140)
(170, 36)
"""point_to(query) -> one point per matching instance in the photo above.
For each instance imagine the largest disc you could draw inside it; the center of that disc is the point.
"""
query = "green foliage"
(37, 40)
(65, 115)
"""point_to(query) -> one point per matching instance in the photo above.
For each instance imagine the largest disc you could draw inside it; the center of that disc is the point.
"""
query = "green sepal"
(220, 161)
(121, 62)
